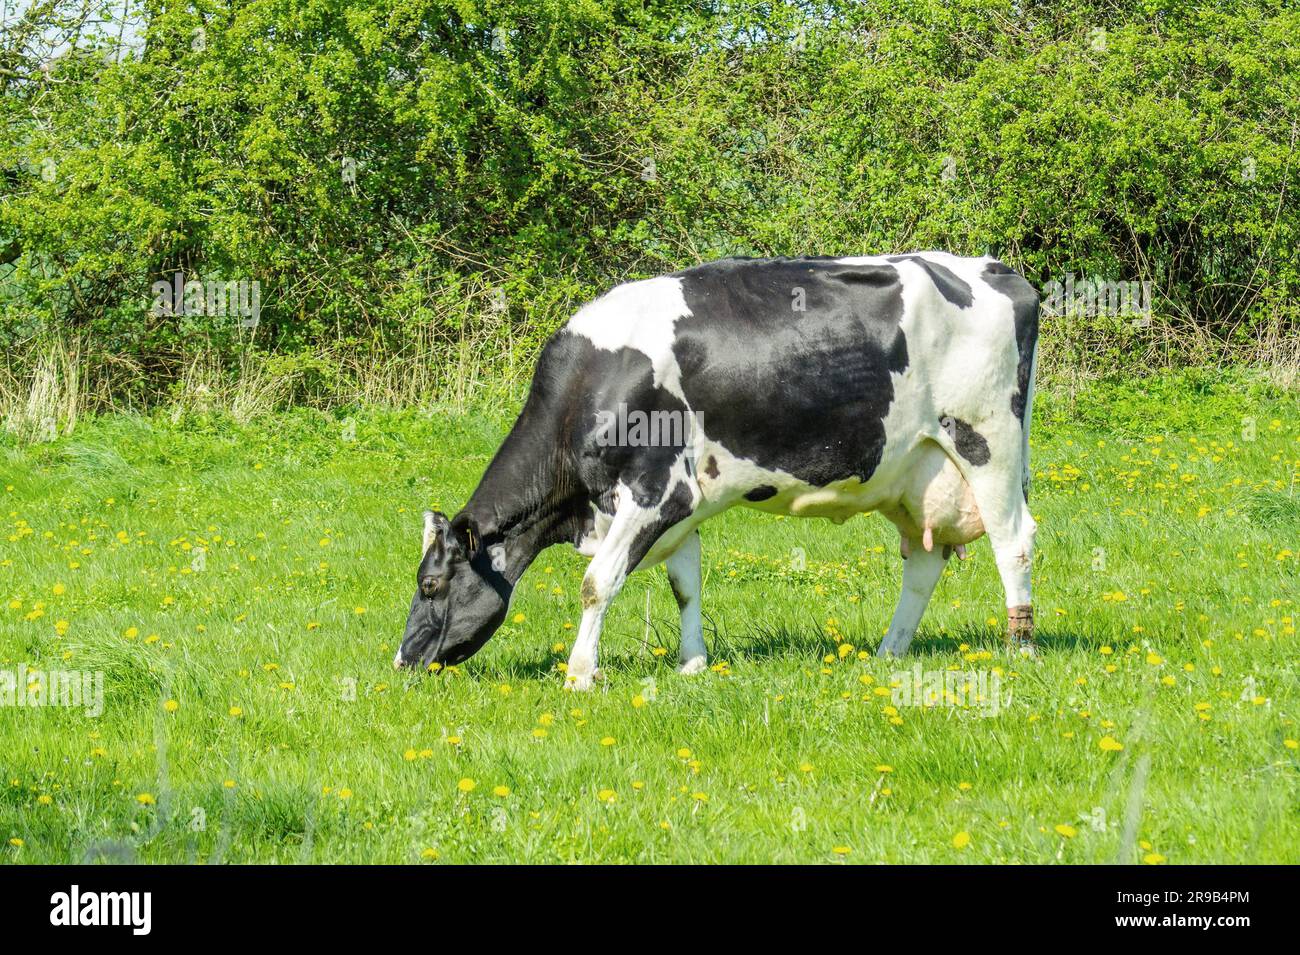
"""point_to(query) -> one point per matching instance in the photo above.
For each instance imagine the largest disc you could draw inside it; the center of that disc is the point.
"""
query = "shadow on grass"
(784, 643)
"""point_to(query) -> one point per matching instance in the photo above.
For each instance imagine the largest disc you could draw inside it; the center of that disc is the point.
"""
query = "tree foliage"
(386, 166)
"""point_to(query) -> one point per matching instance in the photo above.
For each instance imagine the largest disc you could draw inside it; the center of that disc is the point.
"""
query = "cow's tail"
(1029, 410)
(1029, 341)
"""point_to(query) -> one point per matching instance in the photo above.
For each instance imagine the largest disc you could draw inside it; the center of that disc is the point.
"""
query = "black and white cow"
(817, 387)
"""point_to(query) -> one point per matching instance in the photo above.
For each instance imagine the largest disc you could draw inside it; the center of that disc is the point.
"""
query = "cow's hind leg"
(631, 534)
(999, 493)
(921, 571)
(683, 568)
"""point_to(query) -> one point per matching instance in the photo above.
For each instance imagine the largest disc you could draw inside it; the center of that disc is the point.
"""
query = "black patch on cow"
(676, 508)
(760, 493)
(952, 287)
(805, 392)
(1024, 304)
(557, 463)
(711, 466)
(622, 427)
(970, 444)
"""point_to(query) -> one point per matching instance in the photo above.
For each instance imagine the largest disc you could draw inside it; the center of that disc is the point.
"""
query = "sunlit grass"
(251, 712)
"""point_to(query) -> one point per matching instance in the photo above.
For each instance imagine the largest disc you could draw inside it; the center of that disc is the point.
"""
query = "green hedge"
(514, 157)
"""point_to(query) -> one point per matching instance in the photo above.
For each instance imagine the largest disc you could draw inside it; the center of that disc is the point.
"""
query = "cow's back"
(817, 368)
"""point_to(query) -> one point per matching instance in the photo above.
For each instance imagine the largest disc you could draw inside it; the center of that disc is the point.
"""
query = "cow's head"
(461, 594)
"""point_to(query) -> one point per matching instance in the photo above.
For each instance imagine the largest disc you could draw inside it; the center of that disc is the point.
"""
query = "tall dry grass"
(46, 386)
(44, 391)
(474, 358)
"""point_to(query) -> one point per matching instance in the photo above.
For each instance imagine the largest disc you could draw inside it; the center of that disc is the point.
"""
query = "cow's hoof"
(582, 682)
(578, 682)
(1025, 649)
(693, 666)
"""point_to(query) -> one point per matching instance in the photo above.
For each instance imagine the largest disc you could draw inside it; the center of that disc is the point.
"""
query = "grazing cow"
(817, 387)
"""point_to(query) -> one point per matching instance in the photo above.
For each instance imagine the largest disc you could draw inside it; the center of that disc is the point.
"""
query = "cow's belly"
(923, 491)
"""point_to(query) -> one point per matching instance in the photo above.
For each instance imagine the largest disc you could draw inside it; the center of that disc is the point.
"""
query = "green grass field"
(242, 591)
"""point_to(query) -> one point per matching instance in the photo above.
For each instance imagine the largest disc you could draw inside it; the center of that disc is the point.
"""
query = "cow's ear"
(466, 531)
(435, 526)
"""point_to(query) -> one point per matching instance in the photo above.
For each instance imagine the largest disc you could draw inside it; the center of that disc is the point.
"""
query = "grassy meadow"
(242, 589)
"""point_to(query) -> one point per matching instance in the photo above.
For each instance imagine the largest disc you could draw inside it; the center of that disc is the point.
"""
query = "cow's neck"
(527, 499)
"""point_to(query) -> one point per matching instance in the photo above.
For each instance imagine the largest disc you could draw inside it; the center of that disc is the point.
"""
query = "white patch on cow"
(641, 316)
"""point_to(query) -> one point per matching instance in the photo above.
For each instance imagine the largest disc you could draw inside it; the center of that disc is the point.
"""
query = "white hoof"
(581, 682)
(694, 665)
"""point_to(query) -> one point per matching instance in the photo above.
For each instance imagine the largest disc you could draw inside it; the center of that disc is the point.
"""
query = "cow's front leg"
(630, 537)
(683, 567)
